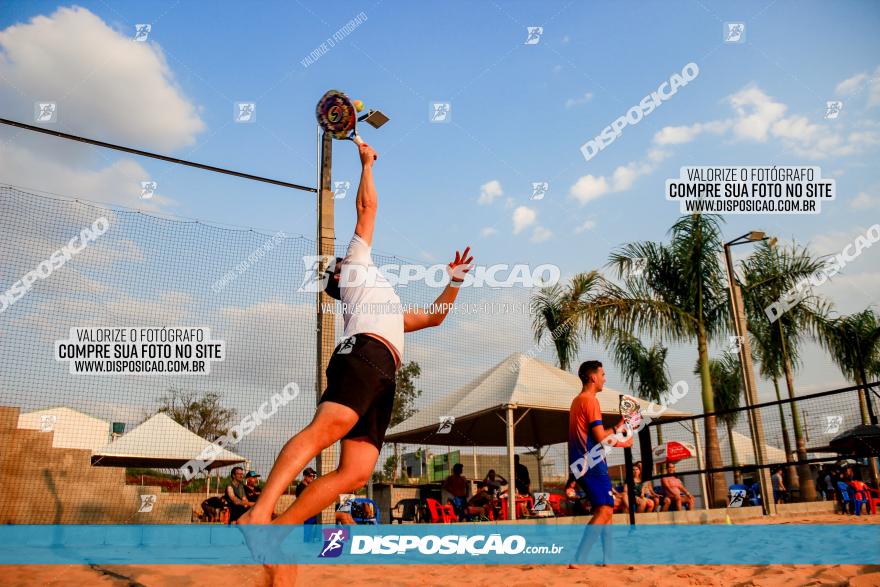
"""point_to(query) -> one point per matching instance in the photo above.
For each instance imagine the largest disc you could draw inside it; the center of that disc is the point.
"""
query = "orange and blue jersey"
(583, 416)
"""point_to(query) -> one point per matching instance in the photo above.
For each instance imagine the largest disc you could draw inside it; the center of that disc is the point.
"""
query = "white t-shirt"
(370, 304)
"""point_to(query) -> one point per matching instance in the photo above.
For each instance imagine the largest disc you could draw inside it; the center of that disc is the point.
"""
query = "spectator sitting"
(456, 485)
(522, 481)
(309, 475)
(481, 504)
(212, 508)
(251, 491)
(661, 502)
(644, 502)
(235, 496)
(621, 498)
(577, 501)
(494, 482)
(675, 490)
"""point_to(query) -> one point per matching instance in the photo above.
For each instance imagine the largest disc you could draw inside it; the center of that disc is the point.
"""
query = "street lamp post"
(751, 393)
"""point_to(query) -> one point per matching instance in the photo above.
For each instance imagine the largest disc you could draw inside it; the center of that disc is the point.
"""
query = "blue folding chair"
(855, 499)
(374, 520)
(755, 494)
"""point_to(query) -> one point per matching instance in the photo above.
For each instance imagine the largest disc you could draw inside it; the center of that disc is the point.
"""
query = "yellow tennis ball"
(358, 105)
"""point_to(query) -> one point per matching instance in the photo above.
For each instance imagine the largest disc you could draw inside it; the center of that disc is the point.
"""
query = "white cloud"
(756, 113)
(557, 69)
(106, 86)
(489, 231)
(490, 191)
(859, 82)
(572, 102)
(590, 187)
(118, 182)
(677, 135)
(864, 201)
(759, 117)
(522, 218)
(585, 226)
(851, 85)
(541, 234)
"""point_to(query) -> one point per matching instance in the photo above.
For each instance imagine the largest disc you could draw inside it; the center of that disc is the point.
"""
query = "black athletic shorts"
(361, 375)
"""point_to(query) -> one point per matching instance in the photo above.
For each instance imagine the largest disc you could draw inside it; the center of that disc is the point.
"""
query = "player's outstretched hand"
(368, 155)
(460, 265)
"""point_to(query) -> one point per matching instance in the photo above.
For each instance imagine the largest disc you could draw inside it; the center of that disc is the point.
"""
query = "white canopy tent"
(745, 450)
(162, 443)
(69, 428)
(521, 401)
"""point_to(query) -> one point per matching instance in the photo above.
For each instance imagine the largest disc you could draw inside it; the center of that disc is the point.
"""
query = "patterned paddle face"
(336, 114)
(629, 409)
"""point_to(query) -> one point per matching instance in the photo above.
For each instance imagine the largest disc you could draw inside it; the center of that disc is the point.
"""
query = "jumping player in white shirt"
(356, 406)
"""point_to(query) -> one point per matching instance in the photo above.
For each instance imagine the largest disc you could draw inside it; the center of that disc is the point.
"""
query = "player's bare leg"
(331, 422)
(356, 463)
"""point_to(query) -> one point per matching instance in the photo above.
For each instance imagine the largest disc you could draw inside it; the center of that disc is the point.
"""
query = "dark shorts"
(362, 377)
(598, 489)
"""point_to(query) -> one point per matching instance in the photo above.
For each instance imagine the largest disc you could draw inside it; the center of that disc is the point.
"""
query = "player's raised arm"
(418, 318)
(367, 202)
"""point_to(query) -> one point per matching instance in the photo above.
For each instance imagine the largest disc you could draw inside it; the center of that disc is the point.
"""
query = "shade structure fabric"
(745, 451)
(861, 441)
(539, 394)
(160, 442)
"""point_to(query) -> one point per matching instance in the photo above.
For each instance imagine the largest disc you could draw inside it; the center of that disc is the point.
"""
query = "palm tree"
(644, 369)
(769, 273)
(726, 377)
(854, 344)
(769, 356)
(553, 311)
(676, 290)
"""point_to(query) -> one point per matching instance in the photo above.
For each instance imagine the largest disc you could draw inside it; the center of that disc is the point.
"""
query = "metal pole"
(751, 392)
(540, 468)
(326, 325)
(511, 490)
(702, 464)
(630, 484)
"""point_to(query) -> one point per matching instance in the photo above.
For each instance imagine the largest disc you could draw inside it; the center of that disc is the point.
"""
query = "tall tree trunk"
(863, 403)
(737, 474)
(786, 442)
(805, 476)
(717, 486)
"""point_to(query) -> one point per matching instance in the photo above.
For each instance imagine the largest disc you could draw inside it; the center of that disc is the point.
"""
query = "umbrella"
(861, 441)
(670, 452)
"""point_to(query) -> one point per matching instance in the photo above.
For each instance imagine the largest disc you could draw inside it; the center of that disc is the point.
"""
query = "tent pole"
(476, 473)
(511, 490)
(540, 468)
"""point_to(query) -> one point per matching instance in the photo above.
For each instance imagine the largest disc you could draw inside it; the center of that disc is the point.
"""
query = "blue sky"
(519, 115)
(510, 120)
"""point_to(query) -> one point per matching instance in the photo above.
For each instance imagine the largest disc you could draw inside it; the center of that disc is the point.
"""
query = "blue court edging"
(442, 544)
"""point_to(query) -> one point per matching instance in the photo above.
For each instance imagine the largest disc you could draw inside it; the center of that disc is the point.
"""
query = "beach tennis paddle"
(630, 410)
(337, 115)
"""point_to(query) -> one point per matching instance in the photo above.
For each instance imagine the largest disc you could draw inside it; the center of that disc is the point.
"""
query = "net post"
(325, 324)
